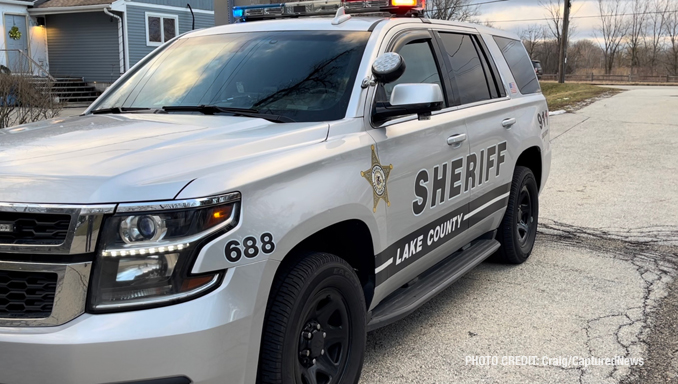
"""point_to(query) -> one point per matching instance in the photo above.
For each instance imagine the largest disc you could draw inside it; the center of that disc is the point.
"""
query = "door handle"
(507, 123)
(456, 139)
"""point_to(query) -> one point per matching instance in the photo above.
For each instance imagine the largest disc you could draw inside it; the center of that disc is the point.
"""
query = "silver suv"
(251, 199)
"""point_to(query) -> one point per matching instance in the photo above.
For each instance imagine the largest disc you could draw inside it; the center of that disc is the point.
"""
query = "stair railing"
(24, 54)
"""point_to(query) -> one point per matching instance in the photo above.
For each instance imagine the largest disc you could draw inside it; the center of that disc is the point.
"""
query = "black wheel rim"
(324, 340)
(525, 216)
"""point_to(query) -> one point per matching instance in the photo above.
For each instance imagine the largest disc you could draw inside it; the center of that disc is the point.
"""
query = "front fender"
(291, 196)
(297, 194)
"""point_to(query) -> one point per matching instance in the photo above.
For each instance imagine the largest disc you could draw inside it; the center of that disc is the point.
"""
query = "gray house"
(98, 40)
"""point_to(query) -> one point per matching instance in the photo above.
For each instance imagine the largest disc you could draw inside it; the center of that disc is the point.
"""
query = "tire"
(315, 326)
(518, 229)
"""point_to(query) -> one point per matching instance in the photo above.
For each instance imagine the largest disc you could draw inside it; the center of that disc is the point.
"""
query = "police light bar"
(310, 8)
(327, 7)
(257, 10)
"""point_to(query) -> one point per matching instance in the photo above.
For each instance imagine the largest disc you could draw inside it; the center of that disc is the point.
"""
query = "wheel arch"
(531, 158)
(350, 240)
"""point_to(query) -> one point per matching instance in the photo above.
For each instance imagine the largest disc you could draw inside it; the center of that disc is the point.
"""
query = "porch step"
(78, 99)
(68, 92)
(68, 89)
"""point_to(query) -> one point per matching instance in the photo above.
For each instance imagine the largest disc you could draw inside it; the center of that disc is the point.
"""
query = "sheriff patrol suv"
(251, 199)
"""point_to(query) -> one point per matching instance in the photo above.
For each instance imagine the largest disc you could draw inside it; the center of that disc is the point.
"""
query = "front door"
(423, 186)
(16, 38)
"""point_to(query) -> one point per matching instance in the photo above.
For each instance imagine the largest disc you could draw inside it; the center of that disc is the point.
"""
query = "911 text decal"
(543, 119)
(250, 247)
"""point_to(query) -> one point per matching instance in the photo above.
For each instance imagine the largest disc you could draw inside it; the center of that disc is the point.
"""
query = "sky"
(499, 13)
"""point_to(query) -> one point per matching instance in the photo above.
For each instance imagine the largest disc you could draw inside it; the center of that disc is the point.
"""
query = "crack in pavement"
(653, 251)
(571, 128)
(631, 122)
(661, 364)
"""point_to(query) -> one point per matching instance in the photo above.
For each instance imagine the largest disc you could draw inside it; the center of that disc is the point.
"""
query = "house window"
(160, 28)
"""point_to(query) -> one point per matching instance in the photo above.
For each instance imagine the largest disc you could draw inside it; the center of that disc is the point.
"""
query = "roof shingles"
(71, 3)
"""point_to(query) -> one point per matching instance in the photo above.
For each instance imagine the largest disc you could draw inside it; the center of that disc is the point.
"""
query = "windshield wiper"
(121, 110)
(212, 109)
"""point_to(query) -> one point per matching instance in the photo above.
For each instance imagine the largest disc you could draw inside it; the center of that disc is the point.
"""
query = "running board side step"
(433, 281)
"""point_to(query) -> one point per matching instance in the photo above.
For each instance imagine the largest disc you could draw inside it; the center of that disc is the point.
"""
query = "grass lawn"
(569, 95)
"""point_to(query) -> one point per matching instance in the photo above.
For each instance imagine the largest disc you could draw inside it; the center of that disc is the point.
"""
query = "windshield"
(305, 76)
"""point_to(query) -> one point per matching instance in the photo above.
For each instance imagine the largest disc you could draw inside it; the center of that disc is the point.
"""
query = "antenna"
(340, 16)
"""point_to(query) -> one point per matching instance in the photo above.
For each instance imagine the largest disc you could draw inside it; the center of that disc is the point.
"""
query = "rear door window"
(520, 64)
(470, 68)
(466, 68)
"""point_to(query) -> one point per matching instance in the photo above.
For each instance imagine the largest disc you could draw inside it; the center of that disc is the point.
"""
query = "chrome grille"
(42, 294)
(36, 289)
(33, 228)
(27, 294)
(49, 229)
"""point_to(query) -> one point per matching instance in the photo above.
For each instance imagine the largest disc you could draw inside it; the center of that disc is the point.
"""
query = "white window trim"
(160, 7)
(162, 27)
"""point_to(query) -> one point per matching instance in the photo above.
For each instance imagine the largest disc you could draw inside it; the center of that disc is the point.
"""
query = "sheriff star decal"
(377, 175)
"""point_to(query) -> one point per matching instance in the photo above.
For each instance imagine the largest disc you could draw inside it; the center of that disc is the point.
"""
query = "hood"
(132, 157)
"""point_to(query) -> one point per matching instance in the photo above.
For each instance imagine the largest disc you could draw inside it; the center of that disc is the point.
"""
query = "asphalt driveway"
(597, 294)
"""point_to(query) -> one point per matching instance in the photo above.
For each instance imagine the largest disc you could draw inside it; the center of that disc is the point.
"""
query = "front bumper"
(211, 339)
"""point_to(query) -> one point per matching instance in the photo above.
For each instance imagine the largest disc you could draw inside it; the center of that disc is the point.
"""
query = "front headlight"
(148, 249)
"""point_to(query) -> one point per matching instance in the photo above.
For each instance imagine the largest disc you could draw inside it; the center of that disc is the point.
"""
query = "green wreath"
(14, 33)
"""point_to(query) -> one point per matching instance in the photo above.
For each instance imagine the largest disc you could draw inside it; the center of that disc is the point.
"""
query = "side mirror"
(388, 67)
(420, 95)
(408, 99)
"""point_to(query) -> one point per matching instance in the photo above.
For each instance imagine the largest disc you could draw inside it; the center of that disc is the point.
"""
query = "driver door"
(426, 200)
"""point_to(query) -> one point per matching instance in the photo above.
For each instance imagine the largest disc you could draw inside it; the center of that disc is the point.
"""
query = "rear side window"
(520, 64)
(466, 68)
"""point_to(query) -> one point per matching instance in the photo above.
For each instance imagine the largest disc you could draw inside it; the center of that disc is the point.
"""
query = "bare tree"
(547, 54)
(554, 10)
(636, 31)
(460, 10)
(585, 55)
(613, 29)
(533, 35)
(25, 99)
(672, 37)
(554, 17)
(487, 23)
(656, 28)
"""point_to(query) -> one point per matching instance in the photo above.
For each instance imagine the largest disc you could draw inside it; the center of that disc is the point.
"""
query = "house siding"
(83, 45)
(136, 27)
(207, 5)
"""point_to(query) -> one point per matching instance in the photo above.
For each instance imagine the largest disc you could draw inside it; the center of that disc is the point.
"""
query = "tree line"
(638, 37)
(633, 37)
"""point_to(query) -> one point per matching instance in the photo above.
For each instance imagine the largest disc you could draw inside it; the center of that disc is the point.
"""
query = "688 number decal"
(250, 247)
